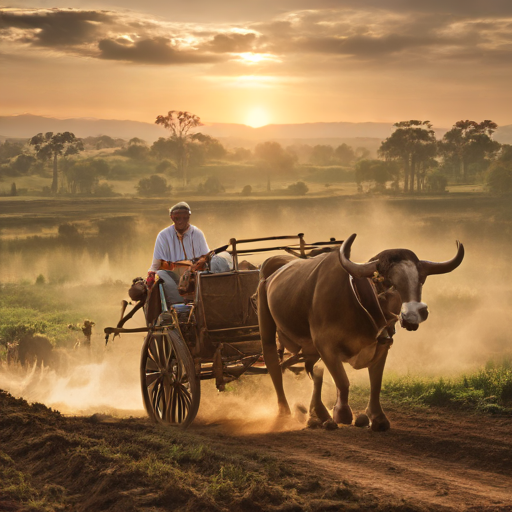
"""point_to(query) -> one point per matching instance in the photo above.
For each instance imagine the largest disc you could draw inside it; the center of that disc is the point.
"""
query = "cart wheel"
(170, 388)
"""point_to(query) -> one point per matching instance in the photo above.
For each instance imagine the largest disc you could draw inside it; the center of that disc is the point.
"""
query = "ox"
(316, 307)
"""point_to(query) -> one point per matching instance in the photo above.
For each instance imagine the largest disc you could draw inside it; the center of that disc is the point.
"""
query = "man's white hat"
(180, 206)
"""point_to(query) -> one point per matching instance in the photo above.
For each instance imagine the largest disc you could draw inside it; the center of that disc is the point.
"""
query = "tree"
(180, 123)
(14, 190)
(499, 175)
(23, 163)
(153, 186)
(321, 155)
(298, 189)
(137, 149)
(246, 191)
(274, 159)
(413, 143)
(212, 186)
(83, 176)
(436, 182)
(344, 154)
(469, 142)
(375, 171)
(49, 146)
(211, 147)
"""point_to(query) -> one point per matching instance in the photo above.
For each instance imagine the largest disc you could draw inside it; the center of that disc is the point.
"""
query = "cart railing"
(300, 249)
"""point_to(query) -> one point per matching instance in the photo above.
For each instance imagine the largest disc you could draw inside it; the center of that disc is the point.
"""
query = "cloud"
(149, 51)
(232, 43)
(56, 28)
(362, 32)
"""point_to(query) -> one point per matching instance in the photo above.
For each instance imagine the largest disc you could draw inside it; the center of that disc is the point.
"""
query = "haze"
(259, 62)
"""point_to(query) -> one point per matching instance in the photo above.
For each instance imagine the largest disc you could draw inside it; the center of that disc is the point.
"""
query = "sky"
(258, 62)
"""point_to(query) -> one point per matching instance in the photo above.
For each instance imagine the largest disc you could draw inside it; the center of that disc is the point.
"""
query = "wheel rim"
(167, 383)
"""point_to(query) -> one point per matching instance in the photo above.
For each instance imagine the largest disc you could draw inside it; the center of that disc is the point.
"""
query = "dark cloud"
(364, 46)
(150, 51)
(232, 43)
(56, 28)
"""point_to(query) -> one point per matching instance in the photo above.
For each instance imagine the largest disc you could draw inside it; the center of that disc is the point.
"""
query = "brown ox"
(313, 307)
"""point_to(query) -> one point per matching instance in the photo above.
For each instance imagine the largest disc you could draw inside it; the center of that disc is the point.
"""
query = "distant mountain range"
(27, 125)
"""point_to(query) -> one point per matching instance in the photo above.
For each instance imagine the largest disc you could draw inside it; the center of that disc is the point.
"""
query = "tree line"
(411, 159)
(415, 161)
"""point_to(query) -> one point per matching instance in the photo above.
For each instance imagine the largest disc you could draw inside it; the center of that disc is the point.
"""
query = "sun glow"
(257, 117)
(255, 58)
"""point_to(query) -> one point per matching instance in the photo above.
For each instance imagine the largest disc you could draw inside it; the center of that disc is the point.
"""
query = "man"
(181, 241)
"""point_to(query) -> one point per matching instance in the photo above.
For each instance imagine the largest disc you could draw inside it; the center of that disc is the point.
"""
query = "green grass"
(488, 389)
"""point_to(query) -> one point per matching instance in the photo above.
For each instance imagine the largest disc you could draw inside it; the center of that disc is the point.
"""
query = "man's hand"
(167, 265)
(150, 280)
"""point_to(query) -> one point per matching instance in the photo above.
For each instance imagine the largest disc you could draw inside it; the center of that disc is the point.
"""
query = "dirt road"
(429, 460)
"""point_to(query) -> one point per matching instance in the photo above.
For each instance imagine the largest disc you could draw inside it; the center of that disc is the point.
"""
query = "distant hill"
(27, 125)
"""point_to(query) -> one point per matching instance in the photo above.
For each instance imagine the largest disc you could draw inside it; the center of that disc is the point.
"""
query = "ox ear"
(429, 268)
(355, 269)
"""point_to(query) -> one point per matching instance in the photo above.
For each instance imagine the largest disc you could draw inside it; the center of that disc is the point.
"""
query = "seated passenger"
(181, 241)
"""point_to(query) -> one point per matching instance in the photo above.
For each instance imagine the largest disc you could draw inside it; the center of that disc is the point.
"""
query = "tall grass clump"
(488, 389)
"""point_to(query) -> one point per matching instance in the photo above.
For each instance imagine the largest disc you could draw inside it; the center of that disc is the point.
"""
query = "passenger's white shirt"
(168, 247)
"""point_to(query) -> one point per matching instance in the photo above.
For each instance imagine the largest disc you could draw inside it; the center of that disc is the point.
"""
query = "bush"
(211, 186)
(153, 186)
(247, 190)
(298, 189)
(499, 178)
(104, 190)
(40, 279)
(436, 182)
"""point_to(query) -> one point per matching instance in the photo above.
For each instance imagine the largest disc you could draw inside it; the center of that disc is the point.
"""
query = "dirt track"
(429, 460)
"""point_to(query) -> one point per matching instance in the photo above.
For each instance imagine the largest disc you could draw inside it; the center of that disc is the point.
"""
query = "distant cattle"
(331, 308)
(34, 349)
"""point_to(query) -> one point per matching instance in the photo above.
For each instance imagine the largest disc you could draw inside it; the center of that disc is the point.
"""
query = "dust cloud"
(467, 326)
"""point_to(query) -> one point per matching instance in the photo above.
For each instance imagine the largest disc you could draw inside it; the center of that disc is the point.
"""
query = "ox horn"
(443, 267)
(355, 269)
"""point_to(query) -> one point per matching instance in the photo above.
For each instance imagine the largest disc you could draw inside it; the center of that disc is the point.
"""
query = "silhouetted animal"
(36, 348)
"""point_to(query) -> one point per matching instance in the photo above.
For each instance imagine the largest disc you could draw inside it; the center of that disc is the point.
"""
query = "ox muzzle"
(412, 314)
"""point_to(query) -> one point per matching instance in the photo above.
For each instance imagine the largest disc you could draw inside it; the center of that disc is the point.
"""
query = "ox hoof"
(314, 423)
(380, 424)
(342, 414)
(362, 421)
(330, 425)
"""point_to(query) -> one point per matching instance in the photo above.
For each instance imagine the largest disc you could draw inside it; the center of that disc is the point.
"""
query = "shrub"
(499, 178)
(436, 182)
(211, 186)
(247, 190)
(153, 186)
(298, 189)
(40, 279)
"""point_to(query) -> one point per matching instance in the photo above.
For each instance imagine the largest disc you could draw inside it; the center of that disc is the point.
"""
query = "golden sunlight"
(254, 58)
(257, 117)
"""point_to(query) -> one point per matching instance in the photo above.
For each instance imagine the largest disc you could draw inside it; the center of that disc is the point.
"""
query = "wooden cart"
(213, 335)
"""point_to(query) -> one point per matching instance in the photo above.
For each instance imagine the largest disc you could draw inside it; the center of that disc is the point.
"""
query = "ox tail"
(254, 296)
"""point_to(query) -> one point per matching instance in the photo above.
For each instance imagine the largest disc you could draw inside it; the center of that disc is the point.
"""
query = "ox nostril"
(423, 312)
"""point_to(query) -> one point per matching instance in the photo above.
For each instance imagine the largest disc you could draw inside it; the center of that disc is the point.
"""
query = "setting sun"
(257, 117)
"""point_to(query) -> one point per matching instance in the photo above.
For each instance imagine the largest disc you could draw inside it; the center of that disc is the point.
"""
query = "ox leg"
(374, 410)
(342, 413)
(318, 413)
(268, 332)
